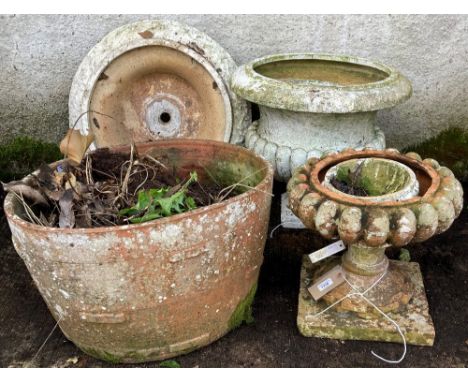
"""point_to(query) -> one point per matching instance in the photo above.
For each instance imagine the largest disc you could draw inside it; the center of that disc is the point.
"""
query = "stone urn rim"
(10, 199)
(409, 189)
(317, 175)
(316, 96)
(432, 211)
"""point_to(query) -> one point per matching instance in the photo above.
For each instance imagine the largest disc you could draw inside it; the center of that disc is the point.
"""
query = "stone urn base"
(389, 288)
(414, 319)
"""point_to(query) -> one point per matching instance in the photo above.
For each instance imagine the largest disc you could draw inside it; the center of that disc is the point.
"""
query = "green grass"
(22, 155)
(170, 363)
(449, 148)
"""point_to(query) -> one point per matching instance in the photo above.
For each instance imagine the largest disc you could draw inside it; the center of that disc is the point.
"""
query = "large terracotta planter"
(311, 104)
(155, 290)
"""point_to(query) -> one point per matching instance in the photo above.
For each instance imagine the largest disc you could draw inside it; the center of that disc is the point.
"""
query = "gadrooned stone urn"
(312, 104)
(151, 291)
(412, 200)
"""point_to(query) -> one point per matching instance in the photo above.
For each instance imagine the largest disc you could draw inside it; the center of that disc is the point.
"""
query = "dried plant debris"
(110, 188)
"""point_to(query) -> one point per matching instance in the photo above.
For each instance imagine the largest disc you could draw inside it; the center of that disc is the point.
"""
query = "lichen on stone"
(169, 363)
(102, 354)
(375, 177)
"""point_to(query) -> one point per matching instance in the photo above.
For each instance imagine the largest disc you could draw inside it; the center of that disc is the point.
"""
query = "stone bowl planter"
(388, 180)
(311, 104)
(155, 79)
(155, 290)
(422, 200)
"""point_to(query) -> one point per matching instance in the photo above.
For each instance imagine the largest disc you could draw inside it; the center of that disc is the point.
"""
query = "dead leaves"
(26, 191)
(88, 195)
(52, 191)
(109, 188)
(67, 216)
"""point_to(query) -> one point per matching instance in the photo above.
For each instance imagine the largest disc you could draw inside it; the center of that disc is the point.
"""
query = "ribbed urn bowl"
(311, 104)
(409, 200)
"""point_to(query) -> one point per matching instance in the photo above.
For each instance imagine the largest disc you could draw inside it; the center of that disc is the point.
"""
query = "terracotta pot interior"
(225, 165)
(324, 71)
(214, 162)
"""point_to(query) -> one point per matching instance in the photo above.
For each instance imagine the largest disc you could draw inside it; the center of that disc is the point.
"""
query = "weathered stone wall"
(40, 54)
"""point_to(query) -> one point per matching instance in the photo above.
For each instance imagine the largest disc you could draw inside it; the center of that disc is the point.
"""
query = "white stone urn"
(150, 80)
(313, 104)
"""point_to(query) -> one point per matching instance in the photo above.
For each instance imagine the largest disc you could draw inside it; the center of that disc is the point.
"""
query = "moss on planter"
(23, 155)
(449, 148)
(103, 355)
(376, 177)
(243, 312)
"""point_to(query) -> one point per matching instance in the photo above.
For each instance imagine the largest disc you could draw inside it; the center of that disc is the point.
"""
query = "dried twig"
(147, 156)
(31, 215)
(232, 187)
(88, 171)
(124, 186)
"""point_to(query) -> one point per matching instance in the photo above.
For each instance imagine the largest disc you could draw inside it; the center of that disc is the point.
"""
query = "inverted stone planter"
(152, 291)
(311, 104)
(418, 200)
(156, 79)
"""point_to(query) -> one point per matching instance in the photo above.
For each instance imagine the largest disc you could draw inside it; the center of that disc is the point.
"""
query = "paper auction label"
(327, 282)
(327, 251)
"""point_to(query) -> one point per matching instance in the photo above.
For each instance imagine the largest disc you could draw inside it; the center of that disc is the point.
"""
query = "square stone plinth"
(415, 321)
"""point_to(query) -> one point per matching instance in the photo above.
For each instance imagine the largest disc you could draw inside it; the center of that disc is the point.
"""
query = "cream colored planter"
(157, 79)
(312, 104)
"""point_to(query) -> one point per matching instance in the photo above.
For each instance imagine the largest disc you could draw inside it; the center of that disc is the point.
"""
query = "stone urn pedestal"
(311, 104)
(371, 200)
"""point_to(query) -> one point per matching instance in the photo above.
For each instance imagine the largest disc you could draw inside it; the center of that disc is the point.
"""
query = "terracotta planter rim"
(260, 187)
(332, 160)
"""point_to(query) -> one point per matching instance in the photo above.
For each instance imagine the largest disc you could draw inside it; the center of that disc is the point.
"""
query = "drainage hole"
(165, 117)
